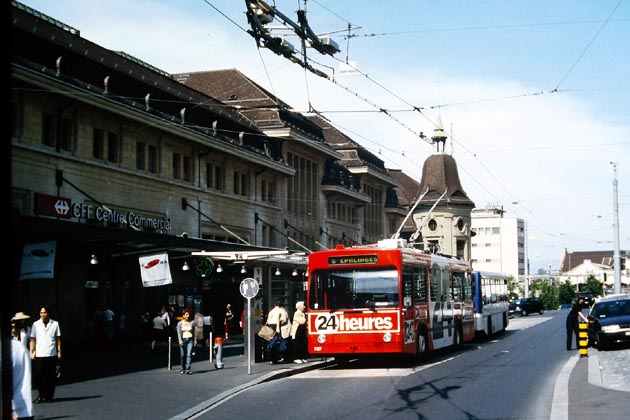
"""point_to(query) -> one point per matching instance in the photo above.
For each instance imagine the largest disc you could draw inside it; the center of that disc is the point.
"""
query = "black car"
(587, 297)
(609, 321)
(525, 306)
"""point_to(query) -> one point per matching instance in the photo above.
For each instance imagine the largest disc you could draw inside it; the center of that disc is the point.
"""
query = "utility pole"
(617, 254)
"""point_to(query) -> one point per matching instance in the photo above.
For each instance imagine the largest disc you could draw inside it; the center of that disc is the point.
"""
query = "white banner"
(155, 270)
(38, 261)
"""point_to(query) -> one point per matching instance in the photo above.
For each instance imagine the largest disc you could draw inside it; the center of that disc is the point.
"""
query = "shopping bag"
(266, 332)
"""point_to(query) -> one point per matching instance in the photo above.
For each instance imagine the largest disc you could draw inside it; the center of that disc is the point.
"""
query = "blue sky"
(533, 94)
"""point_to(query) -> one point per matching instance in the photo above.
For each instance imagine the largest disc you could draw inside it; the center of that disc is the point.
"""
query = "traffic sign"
(249, 288)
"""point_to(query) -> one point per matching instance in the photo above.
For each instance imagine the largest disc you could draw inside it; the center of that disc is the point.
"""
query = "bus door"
(438, 292)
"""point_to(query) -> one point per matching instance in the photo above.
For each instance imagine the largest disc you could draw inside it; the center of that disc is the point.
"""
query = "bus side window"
(420, 286)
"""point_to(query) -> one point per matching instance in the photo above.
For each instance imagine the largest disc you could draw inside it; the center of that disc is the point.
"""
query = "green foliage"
(593, 285)
(513, 288)
(566, 292)
(547, 292)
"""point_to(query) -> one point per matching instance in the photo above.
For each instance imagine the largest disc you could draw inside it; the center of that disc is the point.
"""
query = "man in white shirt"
(108, 326)
(45, 352)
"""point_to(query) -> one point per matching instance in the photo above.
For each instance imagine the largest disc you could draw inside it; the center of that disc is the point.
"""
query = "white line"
(560, 402)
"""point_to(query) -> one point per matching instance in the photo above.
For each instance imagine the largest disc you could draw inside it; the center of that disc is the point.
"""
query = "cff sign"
(49, 205)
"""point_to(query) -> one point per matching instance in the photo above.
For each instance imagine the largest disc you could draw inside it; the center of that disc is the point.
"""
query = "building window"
(267, 191)
(15, 119)
(113, 147)
(140, 155)
(187, 169)
(214, 176)
(302, 187)
(153, 159)
(373, 212)
(177, 165)
(65, 134)
(48, 130)
(432, 225)
(240, 184)
(98, 146)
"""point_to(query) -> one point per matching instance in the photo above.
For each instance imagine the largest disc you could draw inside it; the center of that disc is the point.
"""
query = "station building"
(114, 160)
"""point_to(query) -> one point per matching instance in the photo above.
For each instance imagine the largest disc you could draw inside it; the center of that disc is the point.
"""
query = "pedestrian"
(19, 330)
(186, 337)
(278, 319)
(573, 322)
(108, 323)
(45, 353)
(159, 330)
(228, 321)
(22, 402)
(298, 334)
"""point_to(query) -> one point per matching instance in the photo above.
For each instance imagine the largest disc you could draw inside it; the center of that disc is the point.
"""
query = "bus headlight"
(387, 337)
(321, 339)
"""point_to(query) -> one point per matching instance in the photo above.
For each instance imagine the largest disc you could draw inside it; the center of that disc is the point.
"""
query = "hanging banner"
(155, 270)
(38, 261)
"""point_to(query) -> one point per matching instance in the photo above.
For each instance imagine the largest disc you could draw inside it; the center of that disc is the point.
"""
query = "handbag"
(266, 332)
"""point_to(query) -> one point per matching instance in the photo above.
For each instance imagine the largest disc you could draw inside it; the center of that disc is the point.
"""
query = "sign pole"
(249, 289)
(249, 338)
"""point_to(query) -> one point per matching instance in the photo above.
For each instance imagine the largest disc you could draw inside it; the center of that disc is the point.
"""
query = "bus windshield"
(354, 289)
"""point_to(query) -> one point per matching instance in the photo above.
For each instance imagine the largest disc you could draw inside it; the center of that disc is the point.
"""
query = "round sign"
(249, 288)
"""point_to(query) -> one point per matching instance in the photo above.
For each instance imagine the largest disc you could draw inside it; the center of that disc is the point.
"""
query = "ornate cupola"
(446, 228)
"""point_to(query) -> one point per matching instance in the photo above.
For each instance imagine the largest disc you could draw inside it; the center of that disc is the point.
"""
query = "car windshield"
(612, 308)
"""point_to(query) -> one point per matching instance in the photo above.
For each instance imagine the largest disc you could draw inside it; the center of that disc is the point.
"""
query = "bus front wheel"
(421, 345)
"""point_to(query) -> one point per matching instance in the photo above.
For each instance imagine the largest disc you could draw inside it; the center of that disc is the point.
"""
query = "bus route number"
(327, 323)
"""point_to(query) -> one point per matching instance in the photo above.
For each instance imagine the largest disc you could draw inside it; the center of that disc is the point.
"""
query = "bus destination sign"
(353, 259)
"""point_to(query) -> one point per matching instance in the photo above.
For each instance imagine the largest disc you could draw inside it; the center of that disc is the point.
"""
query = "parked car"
(609, 321)
(564, 307)
(525, 306)
(587, 297)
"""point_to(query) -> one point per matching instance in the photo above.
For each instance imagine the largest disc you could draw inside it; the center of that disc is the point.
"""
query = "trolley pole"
(617, 254)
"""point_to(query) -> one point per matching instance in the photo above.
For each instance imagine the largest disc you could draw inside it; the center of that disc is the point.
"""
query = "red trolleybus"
(387, 298)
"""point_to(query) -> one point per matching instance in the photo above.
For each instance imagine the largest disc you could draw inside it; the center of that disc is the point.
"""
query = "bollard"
(169, 353)
(218, 352)
(583, 341)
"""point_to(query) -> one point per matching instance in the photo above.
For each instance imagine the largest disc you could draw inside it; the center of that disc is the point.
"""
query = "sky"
(534, 95)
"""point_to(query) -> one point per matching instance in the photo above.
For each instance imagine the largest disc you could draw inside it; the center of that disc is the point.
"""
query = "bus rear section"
(491, 302)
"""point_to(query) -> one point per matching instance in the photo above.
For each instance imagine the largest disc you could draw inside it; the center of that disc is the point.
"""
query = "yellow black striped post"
(583, 341)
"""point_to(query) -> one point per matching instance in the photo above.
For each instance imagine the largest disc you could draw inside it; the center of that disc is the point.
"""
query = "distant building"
(498, 243)
(577, 266)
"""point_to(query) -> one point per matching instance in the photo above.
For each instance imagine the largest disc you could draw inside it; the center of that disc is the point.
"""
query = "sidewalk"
(131, 381)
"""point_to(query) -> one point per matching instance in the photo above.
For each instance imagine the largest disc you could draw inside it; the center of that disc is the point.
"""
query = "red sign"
(48, 205)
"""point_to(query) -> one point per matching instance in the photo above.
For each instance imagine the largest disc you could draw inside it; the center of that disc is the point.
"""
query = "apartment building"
(498, 243)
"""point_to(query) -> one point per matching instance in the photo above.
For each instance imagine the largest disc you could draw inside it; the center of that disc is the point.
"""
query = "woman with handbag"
(278, 319)
(186, 337)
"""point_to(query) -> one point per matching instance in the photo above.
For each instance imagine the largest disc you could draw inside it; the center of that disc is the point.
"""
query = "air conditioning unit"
(329, 44)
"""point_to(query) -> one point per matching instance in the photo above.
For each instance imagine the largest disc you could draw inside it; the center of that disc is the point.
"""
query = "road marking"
(367, 373)
(560, 400)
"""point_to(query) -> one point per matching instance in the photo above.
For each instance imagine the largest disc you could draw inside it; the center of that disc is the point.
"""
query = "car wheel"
(524, 313)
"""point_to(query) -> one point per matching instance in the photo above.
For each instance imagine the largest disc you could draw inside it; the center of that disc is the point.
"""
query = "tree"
(546, 292)
(513, 288)
(593, 285)
(566, 292)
